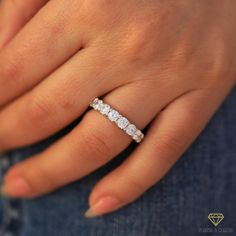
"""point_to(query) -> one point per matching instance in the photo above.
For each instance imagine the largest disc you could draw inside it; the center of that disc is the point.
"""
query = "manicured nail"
(15, 187)
(103, 206)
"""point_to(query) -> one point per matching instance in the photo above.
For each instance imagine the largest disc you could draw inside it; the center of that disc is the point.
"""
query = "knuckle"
(38, 109)
(140, 45)
(11, 71)
(96, 145)
(216, 63)
(57, 29)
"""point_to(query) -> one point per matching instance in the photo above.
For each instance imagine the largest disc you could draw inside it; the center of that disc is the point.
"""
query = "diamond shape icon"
(215, 218)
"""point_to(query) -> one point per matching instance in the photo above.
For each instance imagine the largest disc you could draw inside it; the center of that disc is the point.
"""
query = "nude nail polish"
(104, 205)
(15, 187)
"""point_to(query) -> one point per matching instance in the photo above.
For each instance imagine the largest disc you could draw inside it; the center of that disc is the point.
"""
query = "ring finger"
(94, 142)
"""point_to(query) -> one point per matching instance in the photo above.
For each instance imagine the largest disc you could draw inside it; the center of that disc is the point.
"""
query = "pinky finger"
(14, 15)
(170, 135)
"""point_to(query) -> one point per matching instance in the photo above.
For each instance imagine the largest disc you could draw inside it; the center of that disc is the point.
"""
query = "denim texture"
(202, 181)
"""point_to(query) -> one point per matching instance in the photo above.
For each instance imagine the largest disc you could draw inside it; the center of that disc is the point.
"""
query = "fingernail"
(103, 206)
(15, 187)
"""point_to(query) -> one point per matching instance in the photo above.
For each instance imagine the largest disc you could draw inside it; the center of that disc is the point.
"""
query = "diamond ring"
(114, 116)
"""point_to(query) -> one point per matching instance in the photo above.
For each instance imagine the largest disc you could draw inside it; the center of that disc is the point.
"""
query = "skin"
(168, 63)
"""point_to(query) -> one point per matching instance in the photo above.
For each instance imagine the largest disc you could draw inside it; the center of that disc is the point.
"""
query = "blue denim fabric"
(203, 181)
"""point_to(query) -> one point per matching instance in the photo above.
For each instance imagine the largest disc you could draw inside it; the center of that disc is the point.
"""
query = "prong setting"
(121, 121)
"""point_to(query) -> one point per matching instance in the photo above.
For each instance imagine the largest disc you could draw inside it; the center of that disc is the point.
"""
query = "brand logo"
(215, 218)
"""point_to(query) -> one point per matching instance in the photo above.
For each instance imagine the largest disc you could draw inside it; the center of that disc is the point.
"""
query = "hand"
(170, 63)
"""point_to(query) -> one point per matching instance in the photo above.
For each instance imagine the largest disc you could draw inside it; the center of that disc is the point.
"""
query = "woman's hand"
(171, 63)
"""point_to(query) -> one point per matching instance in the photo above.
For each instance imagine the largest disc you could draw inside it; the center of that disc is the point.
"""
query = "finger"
(61, 98)
(93, 143)
(14, 15)
(171, 133)
(45, 43)
(54, 103)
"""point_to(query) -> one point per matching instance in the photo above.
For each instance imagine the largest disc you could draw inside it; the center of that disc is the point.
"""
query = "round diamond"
(135, 137)
(94, 102)
(138, 133)
(98, 105)
(138, 136)
(113, 115)
(105, 109)
(138, 140)
(131, 129)
(122, 122)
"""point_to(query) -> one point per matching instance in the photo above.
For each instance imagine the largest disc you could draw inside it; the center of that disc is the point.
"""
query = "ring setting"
(121, 121)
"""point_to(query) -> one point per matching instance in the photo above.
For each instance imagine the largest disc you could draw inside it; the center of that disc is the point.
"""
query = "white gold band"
(114, 116)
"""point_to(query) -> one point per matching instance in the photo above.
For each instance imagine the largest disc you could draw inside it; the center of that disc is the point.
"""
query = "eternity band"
(121, 121)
